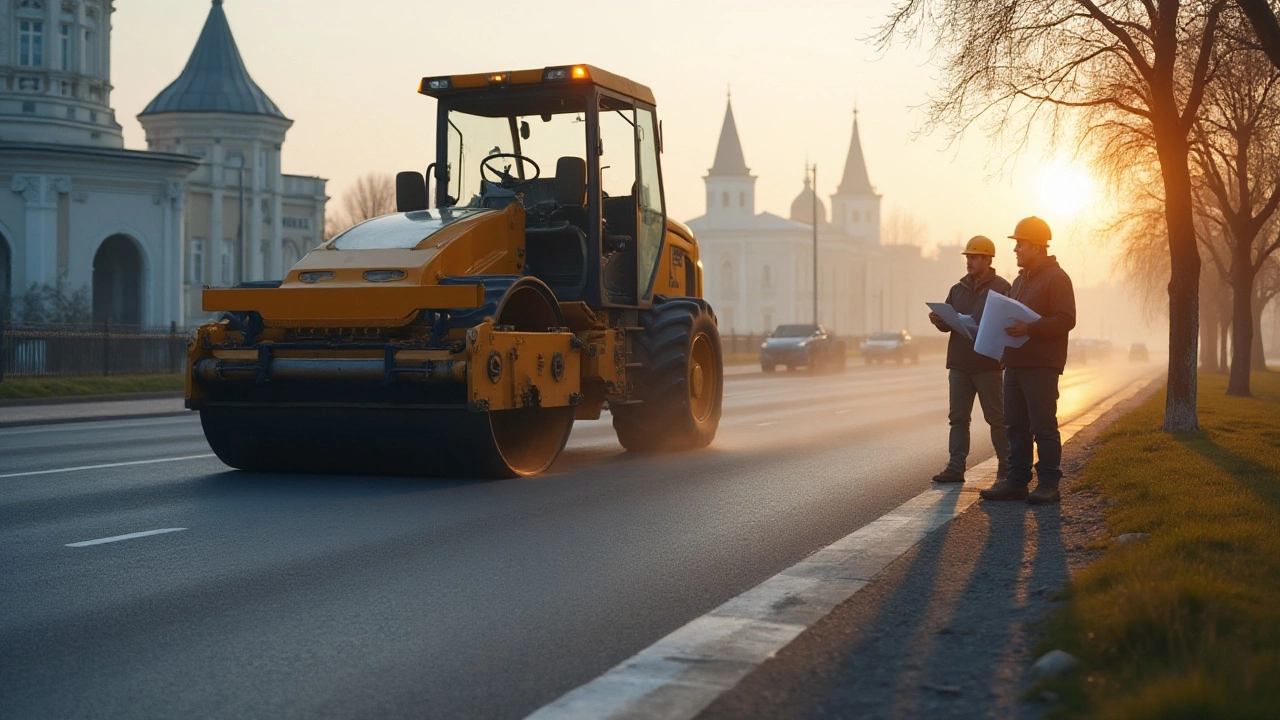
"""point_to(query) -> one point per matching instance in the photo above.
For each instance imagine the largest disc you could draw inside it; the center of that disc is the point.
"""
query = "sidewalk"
(949, 629)
(97, 407)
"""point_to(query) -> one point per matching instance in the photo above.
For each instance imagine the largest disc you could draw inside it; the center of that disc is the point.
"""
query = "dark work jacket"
(968, 298)
(1047, 290)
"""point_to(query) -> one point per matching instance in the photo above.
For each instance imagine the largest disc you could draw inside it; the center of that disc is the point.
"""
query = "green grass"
(12, 388)
(1187, 623)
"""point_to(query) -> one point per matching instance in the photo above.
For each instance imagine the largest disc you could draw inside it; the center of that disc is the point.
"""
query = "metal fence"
(89, 349)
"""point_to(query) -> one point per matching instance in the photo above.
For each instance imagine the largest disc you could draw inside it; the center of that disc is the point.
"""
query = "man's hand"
(936, 320)
(1017, 329)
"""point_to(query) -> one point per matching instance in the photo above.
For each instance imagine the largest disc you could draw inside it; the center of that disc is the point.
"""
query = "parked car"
(1138, 353)
(811, 346)
(1084, 350)
(896, 346)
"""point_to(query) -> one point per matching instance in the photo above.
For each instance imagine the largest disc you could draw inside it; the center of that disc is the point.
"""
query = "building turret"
(55, 70)
(731, 188)
(802, 210)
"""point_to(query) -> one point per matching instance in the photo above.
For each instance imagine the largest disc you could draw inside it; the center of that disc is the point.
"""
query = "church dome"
(802, 206)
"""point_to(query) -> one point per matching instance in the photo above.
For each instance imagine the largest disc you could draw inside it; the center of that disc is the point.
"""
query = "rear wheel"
(769, 367)
(681, 381)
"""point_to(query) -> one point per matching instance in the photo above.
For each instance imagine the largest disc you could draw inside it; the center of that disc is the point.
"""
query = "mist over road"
(320, 596)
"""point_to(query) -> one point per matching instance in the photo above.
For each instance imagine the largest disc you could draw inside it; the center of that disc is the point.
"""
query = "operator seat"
(557, 252)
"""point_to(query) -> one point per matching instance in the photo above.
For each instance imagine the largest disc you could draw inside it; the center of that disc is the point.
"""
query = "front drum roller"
(405, 441)
(681, 379)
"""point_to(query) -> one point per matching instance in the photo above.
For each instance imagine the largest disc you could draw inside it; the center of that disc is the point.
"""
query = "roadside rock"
(1053, 664)
(1128, 538)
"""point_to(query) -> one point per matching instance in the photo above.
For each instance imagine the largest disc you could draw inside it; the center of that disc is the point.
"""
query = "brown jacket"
(1047, 290)
(969, 298)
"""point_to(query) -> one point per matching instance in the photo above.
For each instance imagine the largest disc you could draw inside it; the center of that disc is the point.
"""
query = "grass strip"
(13, 388)
(1185, 623)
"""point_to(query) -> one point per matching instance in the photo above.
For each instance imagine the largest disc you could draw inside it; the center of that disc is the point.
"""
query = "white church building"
(142, 230)
(758, 267)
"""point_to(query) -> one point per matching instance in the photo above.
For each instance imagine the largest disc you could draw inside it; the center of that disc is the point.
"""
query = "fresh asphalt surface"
(319, 596)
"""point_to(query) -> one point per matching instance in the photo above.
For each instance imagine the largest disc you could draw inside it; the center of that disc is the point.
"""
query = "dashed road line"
(118, 538)
(687, 670)
(106, 465)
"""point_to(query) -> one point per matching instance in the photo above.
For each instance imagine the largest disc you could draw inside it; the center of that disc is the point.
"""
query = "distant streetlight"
(814, 169)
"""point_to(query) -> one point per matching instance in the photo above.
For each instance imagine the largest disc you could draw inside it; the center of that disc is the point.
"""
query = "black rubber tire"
(769, 368)
(666, 419)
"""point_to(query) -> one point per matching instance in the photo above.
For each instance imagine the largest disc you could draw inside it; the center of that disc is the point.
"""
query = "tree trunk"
(1259, 354)
(1184, 278)
(1241, 324)
(1208, 334)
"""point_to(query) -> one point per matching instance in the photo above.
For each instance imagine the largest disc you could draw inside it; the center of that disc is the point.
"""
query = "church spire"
(215, 78)
(855, 180)
(729, 158)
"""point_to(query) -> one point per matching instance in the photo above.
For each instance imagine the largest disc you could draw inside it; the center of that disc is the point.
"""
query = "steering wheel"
(505, 179)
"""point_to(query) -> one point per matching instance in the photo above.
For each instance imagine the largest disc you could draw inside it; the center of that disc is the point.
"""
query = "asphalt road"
(312, 597)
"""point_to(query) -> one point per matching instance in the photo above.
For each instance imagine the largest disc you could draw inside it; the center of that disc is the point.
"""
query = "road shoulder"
(949, 628)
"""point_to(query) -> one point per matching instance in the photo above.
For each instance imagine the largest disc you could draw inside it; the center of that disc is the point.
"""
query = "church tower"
(731, 188)
(855, 206)
(57, 60)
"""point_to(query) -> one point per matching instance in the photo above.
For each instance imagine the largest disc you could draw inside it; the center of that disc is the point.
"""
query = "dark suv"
(811, 346)
(896, 346)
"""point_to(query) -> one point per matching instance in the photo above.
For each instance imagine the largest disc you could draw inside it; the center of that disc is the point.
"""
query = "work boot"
(1005, 490)
(949, 475)
(1043, 495)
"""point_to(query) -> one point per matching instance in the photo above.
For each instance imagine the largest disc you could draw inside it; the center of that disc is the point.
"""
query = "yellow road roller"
(530, 277)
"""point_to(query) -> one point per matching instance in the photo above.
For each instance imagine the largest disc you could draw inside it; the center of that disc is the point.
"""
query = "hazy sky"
(346, 73)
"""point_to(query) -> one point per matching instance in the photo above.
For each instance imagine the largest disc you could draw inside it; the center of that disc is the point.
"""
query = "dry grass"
(1185, 624)
(13, 388)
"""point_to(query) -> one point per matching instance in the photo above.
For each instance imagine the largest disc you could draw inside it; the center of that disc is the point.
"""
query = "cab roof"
(449, 86)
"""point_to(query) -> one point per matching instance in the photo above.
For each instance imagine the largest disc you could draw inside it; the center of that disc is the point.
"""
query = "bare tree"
(373, 194)
(1236, 148)
(1018, 62)
(1263, 19)
(903, 228)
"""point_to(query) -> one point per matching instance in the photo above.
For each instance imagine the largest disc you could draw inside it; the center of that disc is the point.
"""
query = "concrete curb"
(72, 399)
(684, 672)
(90, 418)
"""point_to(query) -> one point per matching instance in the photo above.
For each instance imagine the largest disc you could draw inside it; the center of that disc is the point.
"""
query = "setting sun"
(1065, 189)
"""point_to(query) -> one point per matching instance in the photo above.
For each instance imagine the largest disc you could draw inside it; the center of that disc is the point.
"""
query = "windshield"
(539, 139)
(400, 231)
(794, 331)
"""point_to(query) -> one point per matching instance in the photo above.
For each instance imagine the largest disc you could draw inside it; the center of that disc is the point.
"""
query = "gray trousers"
(1032, 415)
(988, 386)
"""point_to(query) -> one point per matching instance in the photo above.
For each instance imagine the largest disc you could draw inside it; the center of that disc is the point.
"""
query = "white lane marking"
(108, 465)
(764, 424)
(686, 671)
(118, 538)
(841, 412)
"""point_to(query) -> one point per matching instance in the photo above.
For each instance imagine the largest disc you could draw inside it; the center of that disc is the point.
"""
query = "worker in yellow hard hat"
(1032, 370)
(968, 372)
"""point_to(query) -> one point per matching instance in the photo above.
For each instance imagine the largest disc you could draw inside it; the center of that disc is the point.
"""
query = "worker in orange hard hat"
(1032, 370)
(968, 372)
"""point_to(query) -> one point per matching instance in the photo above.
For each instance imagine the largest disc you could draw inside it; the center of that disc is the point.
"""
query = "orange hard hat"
(979, 245)
(1033, 230)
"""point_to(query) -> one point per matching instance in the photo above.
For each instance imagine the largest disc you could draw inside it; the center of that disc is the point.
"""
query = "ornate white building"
(144, 230)
(758, 267)
(245, 219)
(73, 201)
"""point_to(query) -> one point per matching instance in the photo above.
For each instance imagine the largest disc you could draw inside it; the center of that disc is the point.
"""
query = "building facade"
(74, 204)
(759, 267)
(144, 231)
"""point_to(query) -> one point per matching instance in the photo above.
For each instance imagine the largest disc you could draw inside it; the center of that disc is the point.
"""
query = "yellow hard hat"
(1032, 230)
(979, 245)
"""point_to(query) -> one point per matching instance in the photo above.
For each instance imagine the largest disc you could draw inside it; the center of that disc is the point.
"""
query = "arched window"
(725, 199)
(727, 284)
(742, 199)
(766, 278)
(857, 216)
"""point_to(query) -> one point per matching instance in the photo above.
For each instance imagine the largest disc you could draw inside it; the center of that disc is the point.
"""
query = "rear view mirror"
(411, 191)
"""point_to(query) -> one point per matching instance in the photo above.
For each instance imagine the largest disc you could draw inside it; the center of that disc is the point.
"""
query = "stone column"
(170, 293)
(40, 249)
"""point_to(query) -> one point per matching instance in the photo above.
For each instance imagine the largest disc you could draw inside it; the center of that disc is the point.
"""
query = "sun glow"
(1065, 189)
